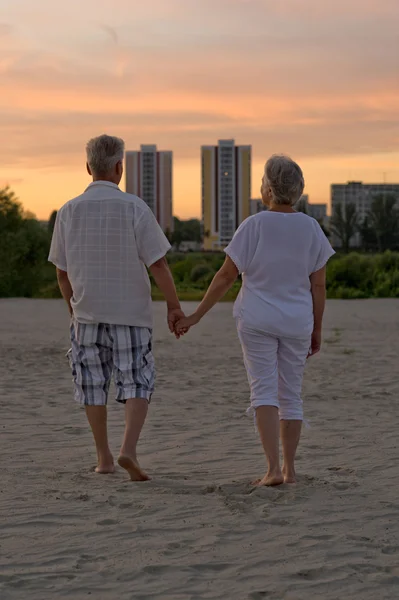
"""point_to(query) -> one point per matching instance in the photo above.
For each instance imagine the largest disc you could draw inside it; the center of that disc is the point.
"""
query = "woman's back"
(276, 252)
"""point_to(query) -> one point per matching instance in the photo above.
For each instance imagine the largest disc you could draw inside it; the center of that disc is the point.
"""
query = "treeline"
(24, 247)
(184, 231)
(25, 243)
(354, 275)
(376, 232)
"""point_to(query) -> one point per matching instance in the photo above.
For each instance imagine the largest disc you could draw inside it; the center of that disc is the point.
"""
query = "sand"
(198, 530)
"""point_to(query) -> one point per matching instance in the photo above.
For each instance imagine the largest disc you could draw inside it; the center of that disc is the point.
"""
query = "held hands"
(174, 316)
(178, 323)
(185, 324)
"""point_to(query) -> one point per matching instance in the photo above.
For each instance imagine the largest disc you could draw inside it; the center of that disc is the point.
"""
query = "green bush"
(201, 272)
(349, 277)
(24, 270)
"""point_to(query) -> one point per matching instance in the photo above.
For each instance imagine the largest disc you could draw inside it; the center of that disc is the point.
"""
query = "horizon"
(316, 82)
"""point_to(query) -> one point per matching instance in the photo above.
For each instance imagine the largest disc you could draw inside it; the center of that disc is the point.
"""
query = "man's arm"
(65, 287)
(164, 280)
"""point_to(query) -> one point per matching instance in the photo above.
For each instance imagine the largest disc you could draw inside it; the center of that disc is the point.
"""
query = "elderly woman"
(282, 256)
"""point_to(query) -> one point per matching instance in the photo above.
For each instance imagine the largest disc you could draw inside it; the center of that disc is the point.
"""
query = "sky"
(318, 80)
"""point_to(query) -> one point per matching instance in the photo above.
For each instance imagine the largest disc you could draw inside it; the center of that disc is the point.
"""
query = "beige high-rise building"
(148, 175)
(226, 191)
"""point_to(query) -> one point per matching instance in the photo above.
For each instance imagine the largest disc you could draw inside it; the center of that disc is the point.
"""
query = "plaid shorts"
(100, 351)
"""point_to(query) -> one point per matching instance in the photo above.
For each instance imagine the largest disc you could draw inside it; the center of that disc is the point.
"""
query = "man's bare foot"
(133, 468)
(270, 479)
(289, 476)
(104, 469)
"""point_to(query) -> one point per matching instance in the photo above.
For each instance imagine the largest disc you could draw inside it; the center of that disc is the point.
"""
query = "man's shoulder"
(69, 204)
(117, 194)
(134, 200)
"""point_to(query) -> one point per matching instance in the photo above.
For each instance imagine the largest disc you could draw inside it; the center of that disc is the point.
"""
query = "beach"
(198, 529)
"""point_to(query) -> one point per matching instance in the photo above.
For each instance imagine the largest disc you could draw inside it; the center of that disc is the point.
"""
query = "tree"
(384, 220)
(11, 212)
(176, 239)
(367, 235)
(185, 231)
(24, 246)
(51, 221)
(344, 224)
(324, 229)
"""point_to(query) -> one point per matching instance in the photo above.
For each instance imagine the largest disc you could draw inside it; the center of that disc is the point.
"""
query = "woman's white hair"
(285, 179)
(103, 154)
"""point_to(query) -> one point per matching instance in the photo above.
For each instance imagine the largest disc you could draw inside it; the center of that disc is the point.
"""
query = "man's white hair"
(103, 154)
(285, 179)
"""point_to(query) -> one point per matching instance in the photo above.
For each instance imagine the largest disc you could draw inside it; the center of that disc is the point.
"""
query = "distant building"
(149, 175)
(257, 206)
(226, 191)
(361, 195)
(317, 211)
(303, 200)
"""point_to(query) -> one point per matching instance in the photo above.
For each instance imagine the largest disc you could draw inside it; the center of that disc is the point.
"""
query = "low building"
(361, 195)
(257, 206)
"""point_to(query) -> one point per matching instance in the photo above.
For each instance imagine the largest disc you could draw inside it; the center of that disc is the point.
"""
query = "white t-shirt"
(276, 254)
(103, 239)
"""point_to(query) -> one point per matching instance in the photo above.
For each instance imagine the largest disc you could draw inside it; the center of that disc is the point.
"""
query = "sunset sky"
(317, 79)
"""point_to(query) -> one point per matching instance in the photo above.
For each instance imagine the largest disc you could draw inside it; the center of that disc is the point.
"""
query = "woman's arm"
(318, 289)
(220, 285)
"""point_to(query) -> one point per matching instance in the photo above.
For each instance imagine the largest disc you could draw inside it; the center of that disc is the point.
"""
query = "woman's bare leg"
(267, 420)
(290, 432)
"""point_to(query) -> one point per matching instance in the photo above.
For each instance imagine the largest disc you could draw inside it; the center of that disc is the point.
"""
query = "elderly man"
(103, 241)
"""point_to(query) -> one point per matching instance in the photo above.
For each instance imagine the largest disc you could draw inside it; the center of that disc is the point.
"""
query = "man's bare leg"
(290, 432)
(135, 414)
(97, 417)
(267, 419)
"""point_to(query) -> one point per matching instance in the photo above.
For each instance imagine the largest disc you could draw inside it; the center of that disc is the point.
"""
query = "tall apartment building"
(226, 191)
(148, 175)
(361, 195)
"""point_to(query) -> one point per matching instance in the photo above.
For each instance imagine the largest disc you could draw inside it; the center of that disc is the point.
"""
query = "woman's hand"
(185, 324)
(316, 343)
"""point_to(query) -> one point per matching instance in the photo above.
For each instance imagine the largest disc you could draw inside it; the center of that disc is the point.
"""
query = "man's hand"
(316, 343)
(183, 325)
(174, 315)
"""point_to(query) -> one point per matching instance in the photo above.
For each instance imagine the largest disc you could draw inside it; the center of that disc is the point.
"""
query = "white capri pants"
(275, 367)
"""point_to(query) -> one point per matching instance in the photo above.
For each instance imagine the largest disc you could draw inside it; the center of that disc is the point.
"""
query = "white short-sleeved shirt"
(104, 239)
(276, 253)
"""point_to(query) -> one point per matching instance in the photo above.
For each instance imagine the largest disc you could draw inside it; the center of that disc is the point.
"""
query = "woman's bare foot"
(104, 469)
(105, 464)
(289, 475)
(132, 466)
(270, 479)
